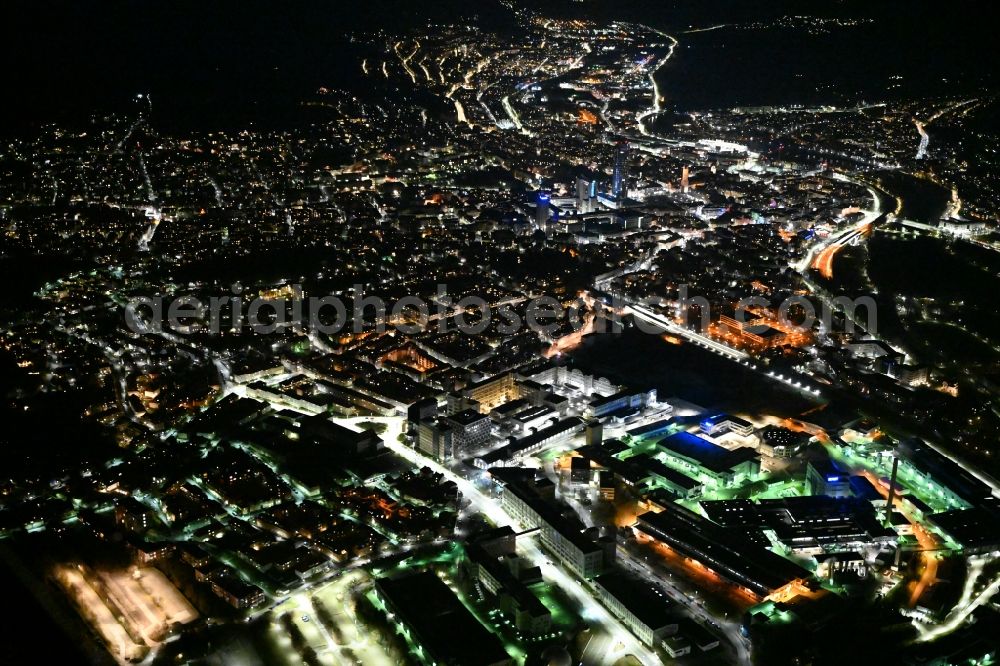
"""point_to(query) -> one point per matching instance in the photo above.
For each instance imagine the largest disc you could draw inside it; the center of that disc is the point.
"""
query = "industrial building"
(524, 500)
(623, 400)
(643, 609)
(491, 556)
(721, 424)
(526, 446)
(727, 552)
(710, 462)
(824, 477)
(434, 620)
(805, 525)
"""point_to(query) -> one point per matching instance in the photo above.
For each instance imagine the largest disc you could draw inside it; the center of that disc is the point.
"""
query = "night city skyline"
(522, 332)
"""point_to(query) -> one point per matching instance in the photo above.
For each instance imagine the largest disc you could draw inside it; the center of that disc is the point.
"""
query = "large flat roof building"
(805, 523)
(497, 573)
(522, 501)
(723, 423)
(710, 462)
(824, 477)
(533, 443)
(603, 406)
(728, 553)
(961, 487)
(643, 609)
(439, 623)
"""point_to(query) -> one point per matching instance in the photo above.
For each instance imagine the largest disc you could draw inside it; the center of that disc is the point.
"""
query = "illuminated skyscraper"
(542, 209)
(586, 195)
(618, 175)
(685, 174)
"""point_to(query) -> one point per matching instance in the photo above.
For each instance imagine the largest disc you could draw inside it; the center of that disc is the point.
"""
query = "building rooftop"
(650, 606)
(668, 474)
(440, 623)
(722, 418)
(549, 513)
(655, 428)
(511, 585)
(727, 553)
(828, 469)
(467, 417)
(976, 529)
(710, 456)
(944, 471)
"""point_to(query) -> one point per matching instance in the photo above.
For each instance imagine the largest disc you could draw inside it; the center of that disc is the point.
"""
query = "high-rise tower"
(542, 209)
(586, 195)
(619, 174)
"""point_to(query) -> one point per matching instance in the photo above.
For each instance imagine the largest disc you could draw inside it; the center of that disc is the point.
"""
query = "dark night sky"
(229, 61)
(239, 58)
